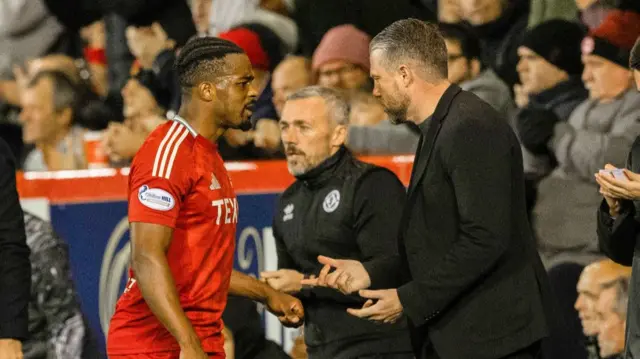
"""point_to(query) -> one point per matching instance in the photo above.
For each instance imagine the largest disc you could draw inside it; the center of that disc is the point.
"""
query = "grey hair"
(65, 92)
(336, 102)
(417, 41)
(621, 303)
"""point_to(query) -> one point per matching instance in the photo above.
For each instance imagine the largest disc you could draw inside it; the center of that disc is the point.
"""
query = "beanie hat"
(249, 41)
(344, 42)
(270, 42)
(614, 38)
(558, 42)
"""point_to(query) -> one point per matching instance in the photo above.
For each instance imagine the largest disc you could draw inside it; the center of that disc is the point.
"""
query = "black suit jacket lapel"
(423, 154)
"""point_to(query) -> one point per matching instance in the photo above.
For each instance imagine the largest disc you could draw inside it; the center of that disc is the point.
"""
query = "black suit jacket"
(474, 284)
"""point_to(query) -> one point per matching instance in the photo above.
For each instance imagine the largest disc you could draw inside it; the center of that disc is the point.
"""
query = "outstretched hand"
(288, 309)
(348, 276)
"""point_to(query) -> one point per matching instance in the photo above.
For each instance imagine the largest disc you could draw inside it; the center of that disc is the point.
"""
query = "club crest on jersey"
(214, 183)
(156, 198)
(331, 201)
(288, 212)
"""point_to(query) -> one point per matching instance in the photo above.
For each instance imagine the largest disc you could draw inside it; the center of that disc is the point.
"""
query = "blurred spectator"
(500, 25)
(315, 18)
(550, 88)
(57, 327)
(365, 110)
(28, 30)
(594, 12)
(49, 111)
(589, 288)
(292, 74)
(341, 60)
(449, 11)
(94, 53)
(611, 313)
(466, 70)
(545, 10)
(600, 130)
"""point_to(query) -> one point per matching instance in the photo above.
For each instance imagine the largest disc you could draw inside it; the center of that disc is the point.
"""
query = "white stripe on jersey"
(165, 155)
(161, 147)
(175, 152)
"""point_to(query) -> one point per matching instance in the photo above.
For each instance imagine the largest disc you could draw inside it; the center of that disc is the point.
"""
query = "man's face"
(235, 94)
(536, 74)
(604, 79)
(611, 333)
(290, 76)
(588, 292)
(200, 10)
(309, 134)
(340, 74)
(479, 12)
(459, 66)
(387, 90)
(137, 99)
(584, 4)
(41, 122)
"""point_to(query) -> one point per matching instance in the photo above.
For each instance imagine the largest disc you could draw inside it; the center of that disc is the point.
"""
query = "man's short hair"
(334, 99)
(469, 42)
(414, 40)
(65, 92)
(634, 59)
(621, 285)
(203, 59)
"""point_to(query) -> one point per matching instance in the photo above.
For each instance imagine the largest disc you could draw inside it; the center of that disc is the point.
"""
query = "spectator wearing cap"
(467, 71)
(263, 138)
(342, 59)
(619, 222)
(600, 130)
(550, 89)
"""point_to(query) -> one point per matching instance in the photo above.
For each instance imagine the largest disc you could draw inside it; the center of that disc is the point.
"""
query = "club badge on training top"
(331, 201)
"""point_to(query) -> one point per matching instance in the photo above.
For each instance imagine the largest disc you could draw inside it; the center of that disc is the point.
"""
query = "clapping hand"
(620, 189)
(349, 275)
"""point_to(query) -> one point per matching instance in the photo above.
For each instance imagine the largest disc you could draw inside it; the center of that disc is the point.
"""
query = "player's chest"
(213, 198)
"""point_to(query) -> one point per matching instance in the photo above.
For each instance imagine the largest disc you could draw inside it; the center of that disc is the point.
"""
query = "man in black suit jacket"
(473, 285)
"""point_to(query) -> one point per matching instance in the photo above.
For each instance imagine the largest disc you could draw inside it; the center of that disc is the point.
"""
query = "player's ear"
(206, 91)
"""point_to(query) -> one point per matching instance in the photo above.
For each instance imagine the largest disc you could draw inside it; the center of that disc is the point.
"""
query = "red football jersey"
(178, 179)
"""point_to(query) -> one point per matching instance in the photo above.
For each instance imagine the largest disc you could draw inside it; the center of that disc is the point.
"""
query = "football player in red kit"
(183, 213)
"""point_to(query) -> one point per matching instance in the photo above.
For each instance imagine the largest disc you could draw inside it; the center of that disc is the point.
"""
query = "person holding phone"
(619, 221)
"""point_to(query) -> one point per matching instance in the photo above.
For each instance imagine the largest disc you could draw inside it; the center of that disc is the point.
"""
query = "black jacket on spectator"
(15, 268)
(501, 38)
(475, 285)
(618, 238)
(343, 208)
(314, 18)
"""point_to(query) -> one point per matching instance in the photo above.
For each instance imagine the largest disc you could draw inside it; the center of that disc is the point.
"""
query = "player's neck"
(204, 125)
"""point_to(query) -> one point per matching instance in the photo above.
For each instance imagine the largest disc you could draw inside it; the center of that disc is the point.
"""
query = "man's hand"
(284, 280)
(349, 275)
(521, 97)
(617, 189)
(267, 135)
(288, 309)
(10, 349)
(146, 43)
(387, 309)
(193, 352)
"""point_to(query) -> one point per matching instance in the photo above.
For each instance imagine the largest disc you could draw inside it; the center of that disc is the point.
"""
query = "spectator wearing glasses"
(342, 59)
(466, 70)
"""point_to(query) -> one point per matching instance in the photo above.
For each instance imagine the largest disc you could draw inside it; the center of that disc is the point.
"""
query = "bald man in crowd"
(292, 74)
(590, 286)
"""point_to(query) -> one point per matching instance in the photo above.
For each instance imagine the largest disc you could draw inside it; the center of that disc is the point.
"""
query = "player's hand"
(387, 308)
(284, 280)
(10, 349)
(193, 352)
(349, 275)
(288, 309)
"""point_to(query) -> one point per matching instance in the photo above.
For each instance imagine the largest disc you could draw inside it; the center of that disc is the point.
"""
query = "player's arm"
(288, 309)
(149, 245)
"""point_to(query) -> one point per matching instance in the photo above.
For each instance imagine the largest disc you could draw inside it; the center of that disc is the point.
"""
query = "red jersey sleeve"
(161, 176)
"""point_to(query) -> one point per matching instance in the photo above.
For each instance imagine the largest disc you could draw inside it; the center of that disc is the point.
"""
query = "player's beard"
(302, 163)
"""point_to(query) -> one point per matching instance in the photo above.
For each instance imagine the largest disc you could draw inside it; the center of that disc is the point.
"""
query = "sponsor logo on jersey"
(331, 201)
(156, 198)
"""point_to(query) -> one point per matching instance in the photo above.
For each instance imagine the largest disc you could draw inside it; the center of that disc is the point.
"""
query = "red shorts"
(162, 355)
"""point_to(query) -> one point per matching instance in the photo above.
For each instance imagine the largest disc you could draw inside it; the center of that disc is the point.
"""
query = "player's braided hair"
(203, 58)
